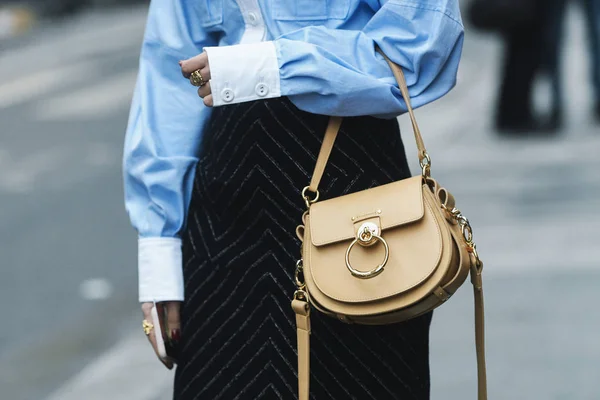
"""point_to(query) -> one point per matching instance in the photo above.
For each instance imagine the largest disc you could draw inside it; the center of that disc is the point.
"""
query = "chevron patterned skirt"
(240, 249)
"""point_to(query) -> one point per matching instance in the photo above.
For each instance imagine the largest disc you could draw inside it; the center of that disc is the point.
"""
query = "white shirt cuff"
(243, 72)
(160, 269)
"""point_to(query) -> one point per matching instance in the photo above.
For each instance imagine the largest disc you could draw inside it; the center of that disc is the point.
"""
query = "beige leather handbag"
(383, 255)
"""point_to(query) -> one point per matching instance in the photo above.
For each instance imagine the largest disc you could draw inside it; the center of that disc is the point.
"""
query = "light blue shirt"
(319, 53)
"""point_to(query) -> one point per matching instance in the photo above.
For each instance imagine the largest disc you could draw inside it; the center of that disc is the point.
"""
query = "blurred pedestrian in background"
(533, 31)
(553, 39)
(593, 22)
(18, 16)
(273, 73)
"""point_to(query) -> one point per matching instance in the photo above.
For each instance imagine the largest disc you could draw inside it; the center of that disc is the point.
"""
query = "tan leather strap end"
(302, 310)
(479, 332)
(446, 199)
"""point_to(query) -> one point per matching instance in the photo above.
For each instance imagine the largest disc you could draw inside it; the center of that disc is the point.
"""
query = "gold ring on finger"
(147, 327)
(196, 79)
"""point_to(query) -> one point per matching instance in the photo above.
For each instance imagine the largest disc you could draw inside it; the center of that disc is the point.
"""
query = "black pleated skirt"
(240, 249)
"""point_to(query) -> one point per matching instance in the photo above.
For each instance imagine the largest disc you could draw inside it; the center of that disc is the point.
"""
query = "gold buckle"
(368, 235)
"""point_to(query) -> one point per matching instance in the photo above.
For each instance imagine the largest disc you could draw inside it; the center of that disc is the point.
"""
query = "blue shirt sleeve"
(338, 72)
(165, 124)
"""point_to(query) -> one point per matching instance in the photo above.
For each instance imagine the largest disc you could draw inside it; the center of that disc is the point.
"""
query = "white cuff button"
(227, 95)
(262, 90)
(252, 19)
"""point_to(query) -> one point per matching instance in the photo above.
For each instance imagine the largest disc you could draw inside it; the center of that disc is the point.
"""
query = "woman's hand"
(170, 321)
(199, 63)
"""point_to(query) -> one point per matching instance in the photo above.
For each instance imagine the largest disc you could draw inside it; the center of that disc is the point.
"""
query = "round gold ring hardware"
(374, 272)
(467, 233)
(196, 79)
(307, 199)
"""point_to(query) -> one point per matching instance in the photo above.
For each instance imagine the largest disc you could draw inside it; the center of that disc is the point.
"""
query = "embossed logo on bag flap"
(396, 204)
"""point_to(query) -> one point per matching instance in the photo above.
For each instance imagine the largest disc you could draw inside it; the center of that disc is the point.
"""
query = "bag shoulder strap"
(301, 306)
(335, 122)
(479, 329)
(302, 310)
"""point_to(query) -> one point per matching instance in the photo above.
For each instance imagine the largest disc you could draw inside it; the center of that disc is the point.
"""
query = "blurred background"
(528, 178)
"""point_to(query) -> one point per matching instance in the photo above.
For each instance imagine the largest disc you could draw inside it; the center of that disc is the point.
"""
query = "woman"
(213, 186)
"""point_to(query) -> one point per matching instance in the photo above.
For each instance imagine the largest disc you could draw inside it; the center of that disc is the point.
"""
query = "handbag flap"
(396, 203)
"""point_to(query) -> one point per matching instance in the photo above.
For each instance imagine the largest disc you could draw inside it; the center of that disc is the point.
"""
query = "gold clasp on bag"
(467, 232)
(300, 283)
(307, 200)
(300, 295)
(367, 235)
(425, 162)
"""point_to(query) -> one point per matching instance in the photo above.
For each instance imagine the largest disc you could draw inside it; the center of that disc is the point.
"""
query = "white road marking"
(101, 155)
(90, 34)
(129, 371)
(95, 289)
(19, 176)
(35, 85)
(99, 100)
(511, 250)
(519, 154)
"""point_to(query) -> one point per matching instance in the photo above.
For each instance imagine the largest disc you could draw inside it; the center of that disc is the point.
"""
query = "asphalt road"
(64, 234)
(70, 328)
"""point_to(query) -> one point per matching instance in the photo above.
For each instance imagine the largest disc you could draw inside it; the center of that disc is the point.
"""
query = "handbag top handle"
(334, 126)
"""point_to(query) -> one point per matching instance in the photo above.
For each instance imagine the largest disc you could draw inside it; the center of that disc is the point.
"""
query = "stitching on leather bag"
(439, 256)
(383, 227)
